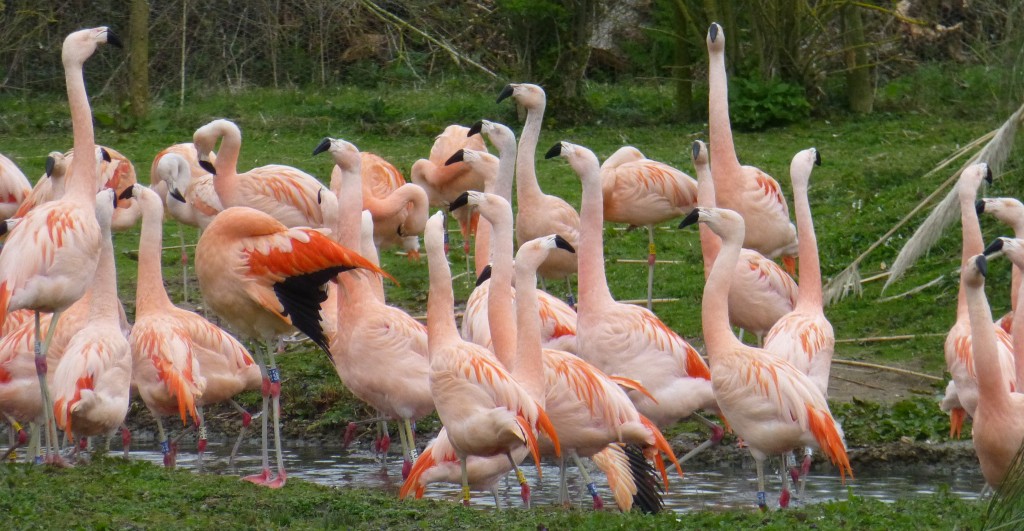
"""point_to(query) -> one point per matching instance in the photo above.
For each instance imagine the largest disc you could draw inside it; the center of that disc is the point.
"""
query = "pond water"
(702, 488)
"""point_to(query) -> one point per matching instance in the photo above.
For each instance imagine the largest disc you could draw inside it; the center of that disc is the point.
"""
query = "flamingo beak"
(458, 156)
(713, 31)
(695, 148)
(555, 151)
(208, 166)
(562, 243)
(979, 206)
(127, 193)
(475, 128)
(505, 93)
(105, 154)
(485, 275)
(177, 195)
(817, 158)
(994, 247)
(690, 218)
(50, 164)
(982, 265)
(324, 145)
(459, 202)
(114, 40)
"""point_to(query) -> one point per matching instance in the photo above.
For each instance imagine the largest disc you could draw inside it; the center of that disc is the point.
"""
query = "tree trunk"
(138, 62)
(860, 93)
(568, 90)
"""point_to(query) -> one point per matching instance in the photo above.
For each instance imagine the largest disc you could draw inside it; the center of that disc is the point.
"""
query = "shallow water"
(702, 488)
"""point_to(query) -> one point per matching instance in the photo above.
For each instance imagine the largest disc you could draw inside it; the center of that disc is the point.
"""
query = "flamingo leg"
(805, 469)
(126, 439)
(49, 425)
(246, 420)
(18, 439)
(412, 440)
(184, 262)
(165, 444)
(784, 494)
(523, 485)
(465, 480)
(494, 492)
(32, 454)
(275, 392)
(263, 477)
(591, 486)
(570, 297)
(201, 442)
(383, 442)
(650, 266)
(716, 437)
(403, 438)
(563, 484)
(762, 499)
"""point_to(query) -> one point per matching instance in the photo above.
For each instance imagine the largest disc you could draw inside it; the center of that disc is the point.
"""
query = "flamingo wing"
(774, 278)
(169, 367)
(287, 194)
(90, 368)
(590, 386)
(203, 197)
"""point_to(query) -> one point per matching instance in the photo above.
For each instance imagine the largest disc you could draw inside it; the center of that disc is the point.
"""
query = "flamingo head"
(975, 271)
(346, 154)
(1013, 248)
(726, 223)
(526, 94)
(1006, 209)
(80, 45)
(716, 37)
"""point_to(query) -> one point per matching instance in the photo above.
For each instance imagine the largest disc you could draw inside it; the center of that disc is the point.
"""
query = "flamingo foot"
(413, 256)
(277, 482)
(246, 419)
(717, 433)
(784, 498)
(259, 479)
(22, 437)
(385, 444)
(201, 445)
(406, 468)
(126, 438)
(350, 434)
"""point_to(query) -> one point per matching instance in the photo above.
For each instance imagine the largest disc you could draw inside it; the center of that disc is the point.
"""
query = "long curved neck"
(972, 238)
(350, 207)
(103, 305)
(992, 386)
(225, 182)
(810, 267)
(82, 173)
(710, 243)
(440, 301)
(527, 188)
(722, 150)
(150, 293)
(500, 309)
(593, 285)
(715, 304)
(529, 368)
(507, 167)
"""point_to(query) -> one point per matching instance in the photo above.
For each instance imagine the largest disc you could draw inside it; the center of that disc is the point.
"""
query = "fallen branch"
(877, 339)
(858, 383)
(884, 368)
(644, 261)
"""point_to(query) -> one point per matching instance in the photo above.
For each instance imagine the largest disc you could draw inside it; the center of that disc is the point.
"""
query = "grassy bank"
(112, 493)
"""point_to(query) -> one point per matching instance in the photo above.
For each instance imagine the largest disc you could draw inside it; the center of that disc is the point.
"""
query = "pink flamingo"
(752, 193)
(92, 381)
(999, 416)
(962, 392)
(14, 187)
(642, 193)
(264, 280)
(1011, 212)
(397, 381)
(770, 404)
(761, 291)
(399, 208)
(185, 150)
(625, 339)
(540, 214)
(484, 410)
(291, 196)
(51, 256)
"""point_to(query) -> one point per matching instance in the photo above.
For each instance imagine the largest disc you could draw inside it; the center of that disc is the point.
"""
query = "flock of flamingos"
(527, 374)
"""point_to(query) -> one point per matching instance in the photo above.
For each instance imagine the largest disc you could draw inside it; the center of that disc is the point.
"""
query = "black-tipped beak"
(114, 40)
(105, 155)
(994, 247)
(208, 166)
(177, 195)
(555, 151)
(988, 174)
(713, 31)
(505, 92)
(562, 243)
(475, 128)
(817, 158)
(114, 199)
(690, 218)
(485, 275)
(459, 202)
(127, 193)
(458, 156)
(979, 206)
(324, 145)
(982, 265)
(695, 148)
(50, 164)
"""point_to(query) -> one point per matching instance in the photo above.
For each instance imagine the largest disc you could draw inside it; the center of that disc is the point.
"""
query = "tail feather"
(545, 426)
(5, 302)
(648, 491)
(956, 421)
(661, 445)
(633, 385)
(615, 465)
(695, 366)
(531, 442)
(423, 463)
(824, 429)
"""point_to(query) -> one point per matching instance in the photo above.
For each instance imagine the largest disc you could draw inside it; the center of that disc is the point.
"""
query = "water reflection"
(719, 488)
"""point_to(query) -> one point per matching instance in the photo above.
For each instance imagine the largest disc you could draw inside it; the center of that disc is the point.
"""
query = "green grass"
(110, 493)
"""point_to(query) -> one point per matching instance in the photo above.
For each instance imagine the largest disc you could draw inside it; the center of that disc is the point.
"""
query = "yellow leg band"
(465, 493)
(650, 249)
(17, 427)
(520, 477)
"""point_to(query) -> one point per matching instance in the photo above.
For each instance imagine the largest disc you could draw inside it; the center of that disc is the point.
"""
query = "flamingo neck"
(350, 207)
(972, 238)
(150, 294)
(500, 308)
(81, 176)
(710, 243)
(721, 147)
(715, 304)
(993, 391)
(225, 182)
(529, 368)
(593, 285)
(507, 168)
(1015, 273)
(810, 295)
(103, 305)
(527, 188)
(440, 301)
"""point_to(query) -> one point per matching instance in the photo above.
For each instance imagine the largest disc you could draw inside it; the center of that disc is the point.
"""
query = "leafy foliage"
(866, 423)
(755, 105)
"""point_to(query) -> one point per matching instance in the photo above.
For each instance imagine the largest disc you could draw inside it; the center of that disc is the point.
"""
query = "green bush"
(755, 105)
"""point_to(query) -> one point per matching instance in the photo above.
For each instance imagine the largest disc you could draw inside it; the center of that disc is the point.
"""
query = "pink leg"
(264, 476)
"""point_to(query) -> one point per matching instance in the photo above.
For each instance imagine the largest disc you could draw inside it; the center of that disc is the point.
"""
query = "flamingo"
(14, 187)
(642, 193)
(397, 381)
(185, 150)
(761, 291)
(182, 361)
(999, 416)
(50, 185)
(50, 257)
(484, 410)
(628, 340)
(289, 195)
(962, 393)
(752, 193)
(264, 280)
(588, 409)
(773, 406)
(558, 319)
(1011, 212)
(92, 380)
(399, 208)
(540, 214)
